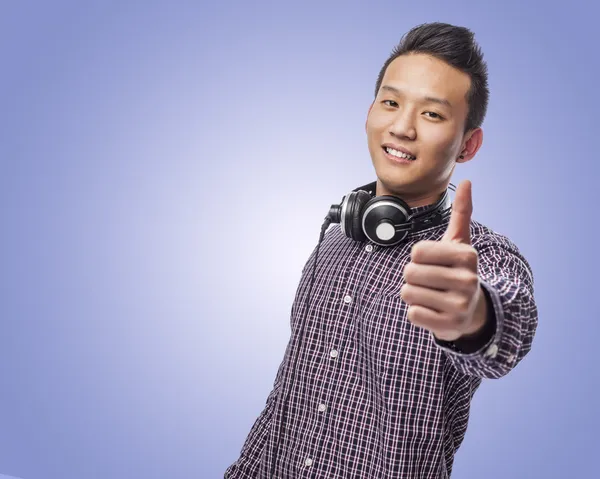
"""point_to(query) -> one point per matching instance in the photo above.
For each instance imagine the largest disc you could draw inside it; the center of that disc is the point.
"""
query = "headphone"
(386, 220)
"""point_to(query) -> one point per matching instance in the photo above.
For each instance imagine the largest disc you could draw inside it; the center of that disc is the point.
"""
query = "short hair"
(456, 46)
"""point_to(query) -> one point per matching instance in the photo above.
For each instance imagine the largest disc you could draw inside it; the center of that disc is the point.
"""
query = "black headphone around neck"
(385, 220)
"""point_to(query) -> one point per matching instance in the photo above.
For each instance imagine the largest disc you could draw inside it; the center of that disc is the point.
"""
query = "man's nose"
(403, 125)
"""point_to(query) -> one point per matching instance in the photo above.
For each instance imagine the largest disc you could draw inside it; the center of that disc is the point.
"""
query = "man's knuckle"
(461, 303)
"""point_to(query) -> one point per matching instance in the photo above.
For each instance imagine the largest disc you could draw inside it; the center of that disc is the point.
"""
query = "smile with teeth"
(398, 154)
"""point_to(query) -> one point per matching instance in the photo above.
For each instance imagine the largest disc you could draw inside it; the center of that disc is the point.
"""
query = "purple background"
(156, 164)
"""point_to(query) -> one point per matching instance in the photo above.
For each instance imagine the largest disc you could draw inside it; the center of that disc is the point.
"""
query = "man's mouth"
(398, 154)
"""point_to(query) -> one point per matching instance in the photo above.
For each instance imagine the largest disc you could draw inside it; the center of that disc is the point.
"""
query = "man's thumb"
(459, 228)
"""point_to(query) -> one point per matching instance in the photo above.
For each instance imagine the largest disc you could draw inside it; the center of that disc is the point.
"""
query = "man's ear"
(472, 145)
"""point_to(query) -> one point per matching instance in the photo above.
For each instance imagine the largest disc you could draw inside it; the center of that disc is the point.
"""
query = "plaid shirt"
(375, 396)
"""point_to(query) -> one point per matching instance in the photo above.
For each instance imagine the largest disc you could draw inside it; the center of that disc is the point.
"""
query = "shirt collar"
(371, 188)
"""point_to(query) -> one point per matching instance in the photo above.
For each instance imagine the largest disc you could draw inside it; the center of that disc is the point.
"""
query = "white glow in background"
(165, 170)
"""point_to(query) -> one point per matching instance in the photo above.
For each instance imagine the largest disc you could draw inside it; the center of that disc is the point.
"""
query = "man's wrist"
(474, 341)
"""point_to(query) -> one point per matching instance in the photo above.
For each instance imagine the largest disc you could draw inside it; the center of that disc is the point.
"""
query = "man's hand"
(442, 287)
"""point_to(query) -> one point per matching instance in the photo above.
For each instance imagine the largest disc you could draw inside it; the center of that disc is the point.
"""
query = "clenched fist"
(442, 287)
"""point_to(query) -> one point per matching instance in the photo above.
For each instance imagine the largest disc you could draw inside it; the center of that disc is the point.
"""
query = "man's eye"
(434, 115)
(390, 103)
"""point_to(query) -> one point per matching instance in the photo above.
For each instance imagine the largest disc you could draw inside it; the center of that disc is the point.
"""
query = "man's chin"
(394, 185)
(399, 183)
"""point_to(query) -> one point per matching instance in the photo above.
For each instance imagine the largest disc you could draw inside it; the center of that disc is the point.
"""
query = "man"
(389, 343)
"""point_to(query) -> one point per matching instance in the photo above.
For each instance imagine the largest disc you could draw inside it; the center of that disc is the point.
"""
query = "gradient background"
(156, 164)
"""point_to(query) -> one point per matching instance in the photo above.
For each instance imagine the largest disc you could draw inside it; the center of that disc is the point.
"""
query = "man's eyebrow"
(429, 99)
(441, 101)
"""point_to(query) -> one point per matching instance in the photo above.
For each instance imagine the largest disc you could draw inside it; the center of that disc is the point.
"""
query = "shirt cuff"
(483, 344)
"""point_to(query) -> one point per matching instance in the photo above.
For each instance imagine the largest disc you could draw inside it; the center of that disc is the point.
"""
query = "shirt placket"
(337, 364)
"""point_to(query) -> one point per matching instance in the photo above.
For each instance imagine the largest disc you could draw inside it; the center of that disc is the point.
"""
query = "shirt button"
(322, 407)
(308, 462)
(511, 358)
(347, 299)
(333, 353)
(369, 247)
(492, 351)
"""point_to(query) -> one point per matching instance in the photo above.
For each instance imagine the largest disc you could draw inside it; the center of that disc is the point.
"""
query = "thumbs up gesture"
(442, 287)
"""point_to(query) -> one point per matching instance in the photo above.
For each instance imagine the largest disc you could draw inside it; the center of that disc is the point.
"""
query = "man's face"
(421, 108)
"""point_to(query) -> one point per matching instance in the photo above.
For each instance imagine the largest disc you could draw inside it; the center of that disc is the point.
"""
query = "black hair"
(456, 46)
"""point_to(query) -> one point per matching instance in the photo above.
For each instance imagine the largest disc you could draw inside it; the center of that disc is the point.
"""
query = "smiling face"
(415, 128)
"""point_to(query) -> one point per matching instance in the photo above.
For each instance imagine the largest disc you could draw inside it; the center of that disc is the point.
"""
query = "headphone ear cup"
(386, 220)
(353, 218)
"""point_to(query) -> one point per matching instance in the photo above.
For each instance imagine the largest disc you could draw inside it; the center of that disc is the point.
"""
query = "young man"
(391, 338)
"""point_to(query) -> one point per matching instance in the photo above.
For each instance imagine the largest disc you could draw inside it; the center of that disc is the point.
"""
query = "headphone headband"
(385, 220)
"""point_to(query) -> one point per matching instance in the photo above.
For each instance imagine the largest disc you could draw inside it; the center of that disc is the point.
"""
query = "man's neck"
(414, 200)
